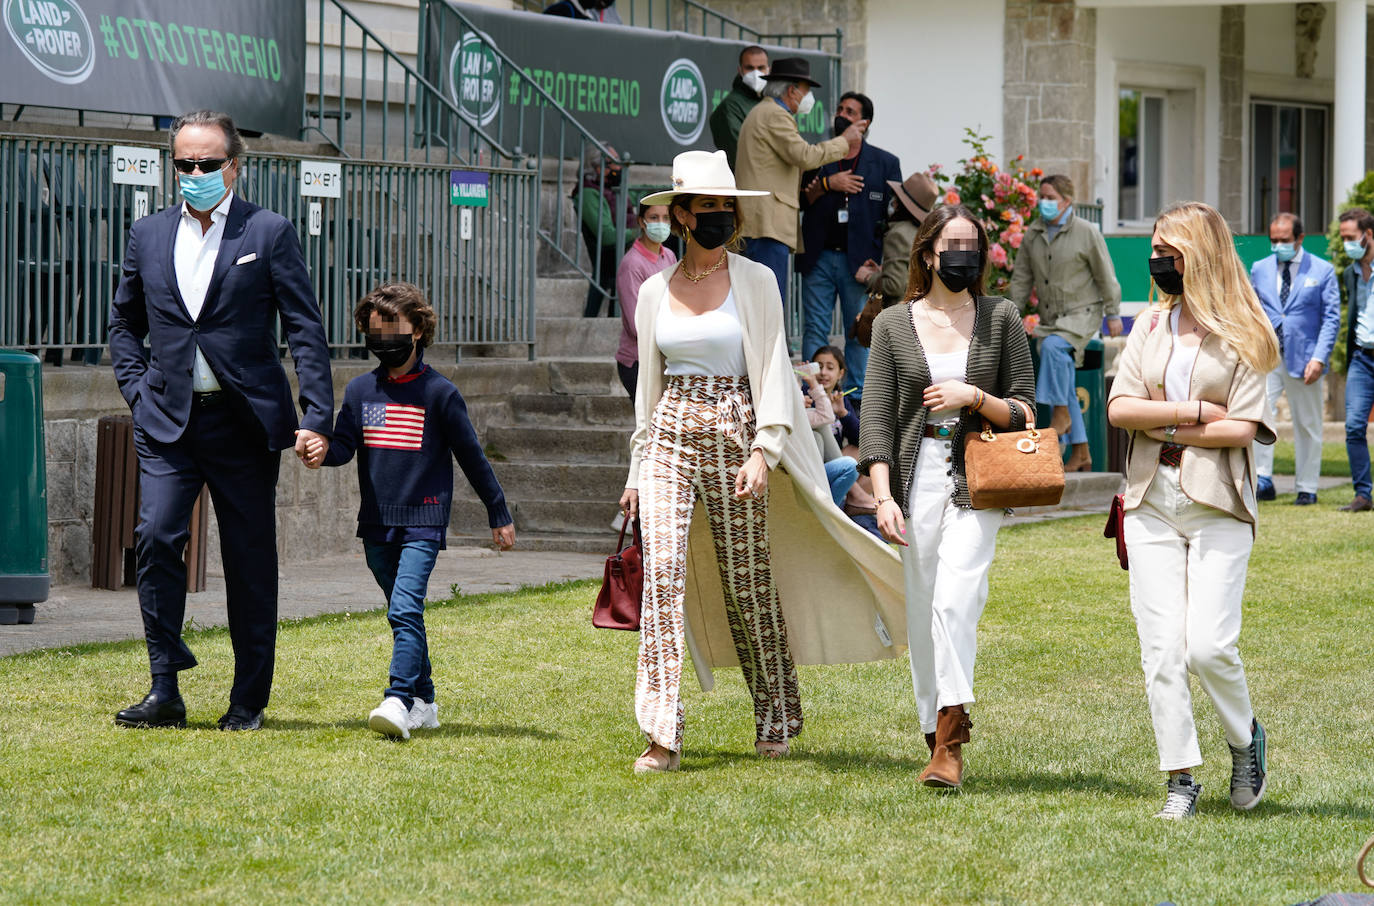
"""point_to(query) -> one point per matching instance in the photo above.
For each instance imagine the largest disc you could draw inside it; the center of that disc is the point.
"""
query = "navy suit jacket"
(867, 209)
(1308, 322)
(234, 331)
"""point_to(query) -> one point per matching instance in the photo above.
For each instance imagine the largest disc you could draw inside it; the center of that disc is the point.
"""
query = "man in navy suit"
(1300, 295)
(205, 282)
(844, 207)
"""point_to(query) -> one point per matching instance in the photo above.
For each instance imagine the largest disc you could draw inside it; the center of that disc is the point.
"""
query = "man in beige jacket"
(772, 156)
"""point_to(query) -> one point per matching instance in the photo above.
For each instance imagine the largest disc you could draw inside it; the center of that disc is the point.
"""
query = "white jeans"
(1188, 565)
(946, 571)
(1306, 402)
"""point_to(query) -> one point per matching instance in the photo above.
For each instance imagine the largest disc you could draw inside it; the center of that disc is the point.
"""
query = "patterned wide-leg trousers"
(698, 441)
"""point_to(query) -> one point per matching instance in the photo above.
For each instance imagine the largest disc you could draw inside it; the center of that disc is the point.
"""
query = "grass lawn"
(525, 794)
(1334, 462)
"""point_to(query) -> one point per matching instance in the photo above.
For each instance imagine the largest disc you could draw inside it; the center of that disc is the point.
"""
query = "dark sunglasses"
(207, 164)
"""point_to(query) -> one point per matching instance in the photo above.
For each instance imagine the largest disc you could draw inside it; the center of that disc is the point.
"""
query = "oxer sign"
(130, 166)
(321, 179)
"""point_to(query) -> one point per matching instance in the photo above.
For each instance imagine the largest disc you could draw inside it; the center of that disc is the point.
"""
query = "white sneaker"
(390, 718)
(423, 715)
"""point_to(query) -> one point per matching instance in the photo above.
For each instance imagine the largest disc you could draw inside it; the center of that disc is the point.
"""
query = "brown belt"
(939, 432)
(1171, 454)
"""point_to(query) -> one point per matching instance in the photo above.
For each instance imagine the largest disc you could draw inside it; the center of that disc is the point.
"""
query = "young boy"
(405, 420)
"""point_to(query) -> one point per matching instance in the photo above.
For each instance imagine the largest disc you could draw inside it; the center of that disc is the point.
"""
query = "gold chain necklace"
(949, 322)
(697, 278)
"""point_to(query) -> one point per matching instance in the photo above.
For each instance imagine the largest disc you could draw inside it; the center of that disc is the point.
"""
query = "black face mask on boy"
(391, 350)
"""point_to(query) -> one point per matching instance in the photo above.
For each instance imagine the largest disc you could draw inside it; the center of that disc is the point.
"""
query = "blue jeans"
(402, 570)
(841, 473)
(831, 277)
(1055, 385)
(771, 254)
(1359, 397)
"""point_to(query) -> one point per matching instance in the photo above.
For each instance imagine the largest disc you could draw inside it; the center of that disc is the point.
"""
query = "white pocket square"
(1311, 281)
(251, 256)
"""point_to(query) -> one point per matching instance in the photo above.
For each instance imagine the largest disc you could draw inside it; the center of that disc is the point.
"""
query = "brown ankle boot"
(946, 768)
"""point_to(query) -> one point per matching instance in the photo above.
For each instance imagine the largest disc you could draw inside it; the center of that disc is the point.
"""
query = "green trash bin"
(1092, 401)
(24, 575)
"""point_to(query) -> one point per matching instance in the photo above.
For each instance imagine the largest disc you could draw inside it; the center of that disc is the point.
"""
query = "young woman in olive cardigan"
(940, 365)
(1190, 389)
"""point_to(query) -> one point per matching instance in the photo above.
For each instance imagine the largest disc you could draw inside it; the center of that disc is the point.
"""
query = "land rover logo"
(54, 35)
(683, 101)
(475, 77)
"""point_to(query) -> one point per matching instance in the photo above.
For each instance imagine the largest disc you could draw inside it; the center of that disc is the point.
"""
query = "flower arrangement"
(1004, 199)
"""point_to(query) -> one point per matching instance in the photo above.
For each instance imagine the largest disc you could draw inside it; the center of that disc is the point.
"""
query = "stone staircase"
(557, 430)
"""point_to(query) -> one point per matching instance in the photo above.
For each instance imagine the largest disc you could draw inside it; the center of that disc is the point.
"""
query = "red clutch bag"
(1116, 528)
(622, 585)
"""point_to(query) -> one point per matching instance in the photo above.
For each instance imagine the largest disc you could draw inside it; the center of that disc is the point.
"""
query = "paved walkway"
(74, 614)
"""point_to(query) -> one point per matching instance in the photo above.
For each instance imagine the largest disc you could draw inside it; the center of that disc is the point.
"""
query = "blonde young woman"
(1190, 389)
(772, 573)
(940, 365)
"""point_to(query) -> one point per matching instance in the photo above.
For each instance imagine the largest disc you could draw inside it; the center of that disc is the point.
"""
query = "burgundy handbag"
(1116, 528)
(622, 586)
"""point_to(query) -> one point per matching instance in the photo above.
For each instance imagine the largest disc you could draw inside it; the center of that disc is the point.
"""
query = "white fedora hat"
(700, 173)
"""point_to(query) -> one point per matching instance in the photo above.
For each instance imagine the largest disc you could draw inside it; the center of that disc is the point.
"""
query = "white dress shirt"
(194, 255)
(1292, 273)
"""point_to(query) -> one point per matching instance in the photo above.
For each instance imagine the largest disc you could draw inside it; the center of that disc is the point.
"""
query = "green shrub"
(1361, 196)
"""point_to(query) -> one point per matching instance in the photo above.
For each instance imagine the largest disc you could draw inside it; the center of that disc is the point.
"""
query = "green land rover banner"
(160, 57)
(646, 92)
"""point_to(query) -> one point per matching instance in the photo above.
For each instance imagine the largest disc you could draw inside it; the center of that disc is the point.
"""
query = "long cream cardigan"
(840, 588)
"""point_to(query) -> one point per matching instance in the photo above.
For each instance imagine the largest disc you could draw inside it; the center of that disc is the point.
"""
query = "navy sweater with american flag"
(404, 431)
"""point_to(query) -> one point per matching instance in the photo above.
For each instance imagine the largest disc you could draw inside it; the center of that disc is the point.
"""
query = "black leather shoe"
(1360, 504)
(154, 711)
(239, 717)
(1264, 489)
(1305, 499)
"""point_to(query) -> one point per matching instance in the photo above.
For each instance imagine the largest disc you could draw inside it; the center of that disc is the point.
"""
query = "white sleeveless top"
(711, 343)
(1178, 374)
(945, 366)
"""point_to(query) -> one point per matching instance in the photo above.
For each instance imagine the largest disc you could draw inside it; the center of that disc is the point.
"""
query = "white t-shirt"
(1178, 374)
(710, 343)
(946, 366)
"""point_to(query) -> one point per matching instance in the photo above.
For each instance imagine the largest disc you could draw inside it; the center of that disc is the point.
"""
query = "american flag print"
(393, 426)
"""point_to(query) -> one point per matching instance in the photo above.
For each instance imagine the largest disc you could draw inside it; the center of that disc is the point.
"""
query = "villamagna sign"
(649, 93)
(159, 57)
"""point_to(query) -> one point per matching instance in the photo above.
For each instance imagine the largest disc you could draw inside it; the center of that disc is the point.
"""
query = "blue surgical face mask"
(204, 191)
(658, 232)
(1354, 249)
(1049, 209)
(1284, 251)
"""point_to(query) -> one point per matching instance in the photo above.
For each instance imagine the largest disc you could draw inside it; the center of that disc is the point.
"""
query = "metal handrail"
(551, 141)
(413, 83)
(718, 21)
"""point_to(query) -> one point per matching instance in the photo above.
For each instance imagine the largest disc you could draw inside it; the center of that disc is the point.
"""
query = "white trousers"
(1188, 566)
(1306, 402)
(945, 567)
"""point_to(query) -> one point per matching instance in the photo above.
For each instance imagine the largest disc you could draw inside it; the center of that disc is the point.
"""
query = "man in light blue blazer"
(1300, 295)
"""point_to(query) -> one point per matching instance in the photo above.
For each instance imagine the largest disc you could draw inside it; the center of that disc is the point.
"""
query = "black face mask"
(841, 123)
(714, 228)
(612, 178)
(959, 269)
(391, 350)
(1169, 280)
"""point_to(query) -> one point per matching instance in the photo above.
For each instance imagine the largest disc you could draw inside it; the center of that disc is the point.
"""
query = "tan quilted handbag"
(1014, 468)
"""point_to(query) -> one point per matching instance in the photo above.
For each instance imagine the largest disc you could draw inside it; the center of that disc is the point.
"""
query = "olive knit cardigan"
(893, 420)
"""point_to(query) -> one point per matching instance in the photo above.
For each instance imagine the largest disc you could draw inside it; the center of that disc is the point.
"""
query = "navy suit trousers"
(226, 449)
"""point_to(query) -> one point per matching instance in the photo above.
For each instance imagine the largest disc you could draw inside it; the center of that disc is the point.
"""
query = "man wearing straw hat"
(772, 157)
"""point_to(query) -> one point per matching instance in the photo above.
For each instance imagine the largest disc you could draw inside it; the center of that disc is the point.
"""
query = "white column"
(1347, 167)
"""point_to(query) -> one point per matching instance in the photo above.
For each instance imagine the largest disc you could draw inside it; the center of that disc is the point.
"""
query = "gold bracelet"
(879, 501)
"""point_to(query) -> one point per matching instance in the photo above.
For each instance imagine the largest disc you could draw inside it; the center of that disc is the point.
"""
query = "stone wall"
(810, 17)
(1232, 151)
(1049, 65)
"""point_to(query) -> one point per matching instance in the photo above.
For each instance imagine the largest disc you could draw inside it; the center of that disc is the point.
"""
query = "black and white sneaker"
(1248, 769)
(1181, 801)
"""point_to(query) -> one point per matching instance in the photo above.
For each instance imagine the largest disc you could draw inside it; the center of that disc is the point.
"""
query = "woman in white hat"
(715, 411)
